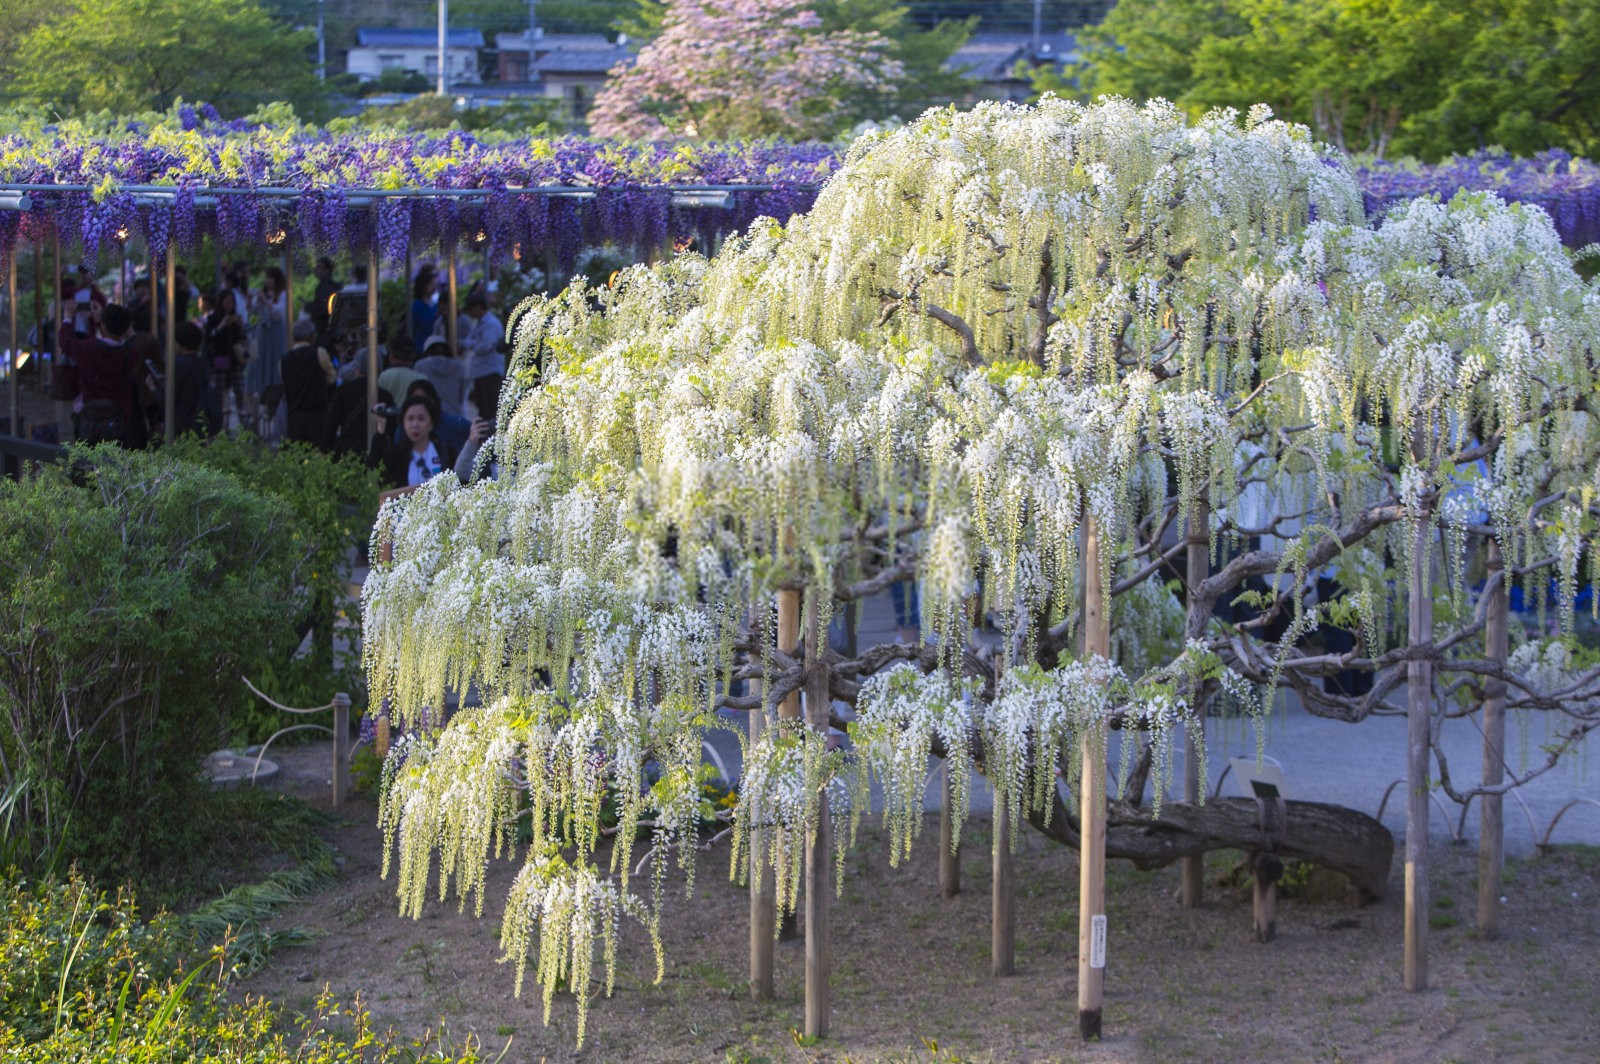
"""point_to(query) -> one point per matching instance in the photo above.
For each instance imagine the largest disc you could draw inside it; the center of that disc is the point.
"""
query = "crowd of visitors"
(248, 358)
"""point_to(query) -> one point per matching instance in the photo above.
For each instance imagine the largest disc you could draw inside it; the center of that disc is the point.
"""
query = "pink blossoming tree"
(743, 68)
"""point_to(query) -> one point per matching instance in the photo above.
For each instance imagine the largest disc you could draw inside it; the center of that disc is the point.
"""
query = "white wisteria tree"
(1041, 360)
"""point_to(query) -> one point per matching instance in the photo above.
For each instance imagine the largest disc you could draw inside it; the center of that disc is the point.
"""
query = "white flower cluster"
(900, 714)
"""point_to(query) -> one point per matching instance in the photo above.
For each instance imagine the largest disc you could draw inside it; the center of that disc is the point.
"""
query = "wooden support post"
(1002, 891)
(450, 310)
(38, 317)
(155, 302)
(380, 740)
(1267, 870)
(763, 898)
(372, 329)
(789, 708)
(169, 354)
(1197, 567)
(14, 399)
(1419, 706)
(819, 848)
(341, 748)
(1092, 805)
(1491, 834)
(949, 853)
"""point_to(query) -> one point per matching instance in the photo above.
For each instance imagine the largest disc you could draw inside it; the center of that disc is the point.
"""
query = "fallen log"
(1332, 836)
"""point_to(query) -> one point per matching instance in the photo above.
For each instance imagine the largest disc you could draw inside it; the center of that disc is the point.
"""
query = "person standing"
(445, 373)
(263, 380)
(308, 377)
(480, 334)
(108, 381)
(321, 304)
(224, 347)
(424, 305)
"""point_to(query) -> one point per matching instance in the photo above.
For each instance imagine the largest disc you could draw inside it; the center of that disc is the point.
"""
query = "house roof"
(549, 42)
(580, 60)
(991, 56)
(405, 37)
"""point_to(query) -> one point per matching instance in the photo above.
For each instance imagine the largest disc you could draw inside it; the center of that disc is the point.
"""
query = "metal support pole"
(444, 47)
(169, 386)
(372, 330)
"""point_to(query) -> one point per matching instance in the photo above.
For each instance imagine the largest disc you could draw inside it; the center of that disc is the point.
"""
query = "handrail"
(340, 730)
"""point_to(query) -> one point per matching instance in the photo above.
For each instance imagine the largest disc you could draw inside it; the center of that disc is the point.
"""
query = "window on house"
(391, 61)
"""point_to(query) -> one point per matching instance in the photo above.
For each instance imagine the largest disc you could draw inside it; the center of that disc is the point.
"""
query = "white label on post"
(1097, 941)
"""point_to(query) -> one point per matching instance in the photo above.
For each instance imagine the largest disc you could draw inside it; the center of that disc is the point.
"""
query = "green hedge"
(135, 588)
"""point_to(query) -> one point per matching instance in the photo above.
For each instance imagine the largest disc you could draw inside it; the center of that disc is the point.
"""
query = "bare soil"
(911, 978)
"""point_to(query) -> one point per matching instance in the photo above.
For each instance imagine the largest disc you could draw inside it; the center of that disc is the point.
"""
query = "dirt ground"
(911, 979)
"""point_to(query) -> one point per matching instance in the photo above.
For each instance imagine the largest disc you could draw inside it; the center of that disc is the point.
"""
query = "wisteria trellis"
(194, 152)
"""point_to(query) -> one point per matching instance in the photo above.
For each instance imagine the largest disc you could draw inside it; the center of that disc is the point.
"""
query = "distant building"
(1003, 63)
(415, 50)
(570, 67)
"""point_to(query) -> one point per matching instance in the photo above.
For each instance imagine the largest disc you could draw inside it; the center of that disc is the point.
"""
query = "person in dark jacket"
(192, 407)
(307, 381)
(418, 455)
(108, 379)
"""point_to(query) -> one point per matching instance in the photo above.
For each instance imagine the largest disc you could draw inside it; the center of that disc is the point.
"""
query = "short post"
(1491, 834)
(341, 748)
(1002, 914)
(1267, 870)
(819, 846)
(763, 898)
(380, 741)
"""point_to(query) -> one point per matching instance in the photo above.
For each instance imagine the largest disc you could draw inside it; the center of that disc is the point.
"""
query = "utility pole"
(1038, 19)
(444, 47)
(322, 46)
(533, 21)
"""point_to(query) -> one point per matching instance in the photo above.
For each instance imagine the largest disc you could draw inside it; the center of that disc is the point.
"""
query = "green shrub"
(132, 589)
(86, 982)
(334, 502)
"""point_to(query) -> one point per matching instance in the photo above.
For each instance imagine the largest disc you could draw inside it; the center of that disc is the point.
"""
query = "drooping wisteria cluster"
(1001, 343)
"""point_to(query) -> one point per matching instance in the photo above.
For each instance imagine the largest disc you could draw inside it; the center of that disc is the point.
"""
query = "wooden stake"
(789, 708)
(949, 854)
(1491, 834)
(819, 848)
(1092, 805)
(341, 748)
(372, 328)
(1264, 896)
(1002, 891)
(1419, 704)
(1197, 567)
(763, 899)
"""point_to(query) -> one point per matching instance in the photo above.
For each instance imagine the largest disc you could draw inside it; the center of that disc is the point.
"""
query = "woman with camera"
(418, 455)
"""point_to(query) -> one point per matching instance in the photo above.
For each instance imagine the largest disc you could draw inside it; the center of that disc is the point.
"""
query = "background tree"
(130, 56)
(745, 68)
(1424, 79)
